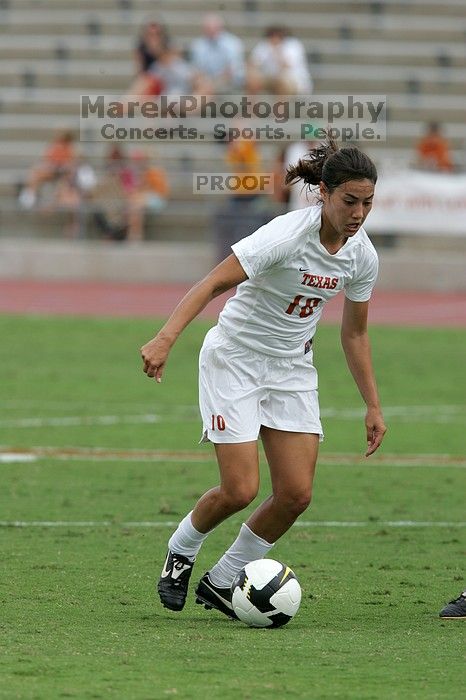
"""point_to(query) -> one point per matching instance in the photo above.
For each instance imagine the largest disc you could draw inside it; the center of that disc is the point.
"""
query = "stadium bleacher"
(413, 51)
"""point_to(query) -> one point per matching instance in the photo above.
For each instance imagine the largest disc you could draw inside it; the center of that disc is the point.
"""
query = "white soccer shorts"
(241, 389)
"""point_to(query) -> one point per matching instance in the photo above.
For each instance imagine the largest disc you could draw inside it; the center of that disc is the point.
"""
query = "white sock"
(186, 540)
(247, 547)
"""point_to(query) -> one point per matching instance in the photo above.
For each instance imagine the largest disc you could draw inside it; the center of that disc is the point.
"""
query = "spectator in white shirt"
(278, 65)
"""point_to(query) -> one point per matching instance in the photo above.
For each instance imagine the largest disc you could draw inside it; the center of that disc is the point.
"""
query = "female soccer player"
(256, 374)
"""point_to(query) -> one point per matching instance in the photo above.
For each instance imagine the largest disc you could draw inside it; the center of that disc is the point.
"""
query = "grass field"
(86, 518)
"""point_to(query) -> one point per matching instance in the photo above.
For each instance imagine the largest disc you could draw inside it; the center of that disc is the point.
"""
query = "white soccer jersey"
(290, 277)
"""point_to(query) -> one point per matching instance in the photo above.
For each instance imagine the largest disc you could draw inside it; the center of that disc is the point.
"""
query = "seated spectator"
(152, 42)
(170, 75)
(218, 55)
(278, 65)
(71, 195)
(110, 197)
(433, 151)
(174, 74)
(149, 194)
(58, 161)
(118, 164)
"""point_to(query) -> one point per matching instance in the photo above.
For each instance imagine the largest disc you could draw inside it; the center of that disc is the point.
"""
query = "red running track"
(154, 300)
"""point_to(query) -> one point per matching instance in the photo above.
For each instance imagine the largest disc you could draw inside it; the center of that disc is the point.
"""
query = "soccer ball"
(265, 593)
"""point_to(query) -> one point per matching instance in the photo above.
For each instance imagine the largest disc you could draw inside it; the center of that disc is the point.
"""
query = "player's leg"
(239, 482)
(292, 460)
(290, 430)
(228, 401)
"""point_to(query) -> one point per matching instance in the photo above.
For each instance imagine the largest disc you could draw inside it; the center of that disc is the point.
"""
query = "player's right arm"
(225, 276)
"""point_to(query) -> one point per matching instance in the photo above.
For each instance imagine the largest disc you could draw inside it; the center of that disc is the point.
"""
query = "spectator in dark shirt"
(153, 40)
(152, 45)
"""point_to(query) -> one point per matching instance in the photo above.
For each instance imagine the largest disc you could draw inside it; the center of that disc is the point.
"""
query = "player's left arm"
(356, 345)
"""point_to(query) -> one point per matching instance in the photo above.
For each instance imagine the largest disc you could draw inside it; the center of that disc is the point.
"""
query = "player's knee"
(240, 498)
(303, 502)
(296, 502)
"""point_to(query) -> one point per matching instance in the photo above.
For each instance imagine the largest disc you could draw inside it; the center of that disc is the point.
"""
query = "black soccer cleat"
(174, 580)
(456, 609)
(211, 596)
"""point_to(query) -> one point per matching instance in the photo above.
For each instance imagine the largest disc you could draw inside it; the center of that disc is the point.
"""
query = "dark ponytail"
(332, 165)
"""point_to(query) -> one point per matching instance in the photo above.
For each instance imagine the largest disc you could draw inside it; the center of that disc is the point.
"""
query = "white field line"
(192, 408)
(118, 407)
(9, 454)
(101, 454)
(171, 523)
(425, 414)
(78, 421)
(9, 457)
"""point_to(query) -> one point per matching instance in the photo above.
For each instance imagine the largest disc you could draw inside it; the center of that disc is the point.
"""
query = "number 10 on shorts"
(218, 422)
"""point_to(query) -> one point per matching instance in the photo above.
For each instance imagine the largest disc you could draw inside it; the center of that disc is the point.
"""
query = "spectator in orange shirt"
(59, 161)
(244, 210)
(150, 193)
(244, 157)
(433, 151)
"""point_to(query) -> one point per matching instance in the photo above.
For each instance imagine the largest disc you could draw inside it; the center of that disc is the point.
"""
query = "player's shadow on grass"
(184, 617)
(190, 619)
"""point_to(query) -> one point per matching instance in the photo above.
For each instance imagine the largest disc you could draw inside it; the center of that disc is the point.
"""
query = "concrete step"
(107, 75)
(251, 35)
(197, 157)
(326, 81)
(185, 155)
(125, 7)
(70, 47)
(43, 127)
(433, 59)
(98, 82)
(181, 184)
(159, 261)
(376, 8)
(443, 108)
(179, 222)
(154, 261)
(61, 99)
(326, 24)
(59, 49)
